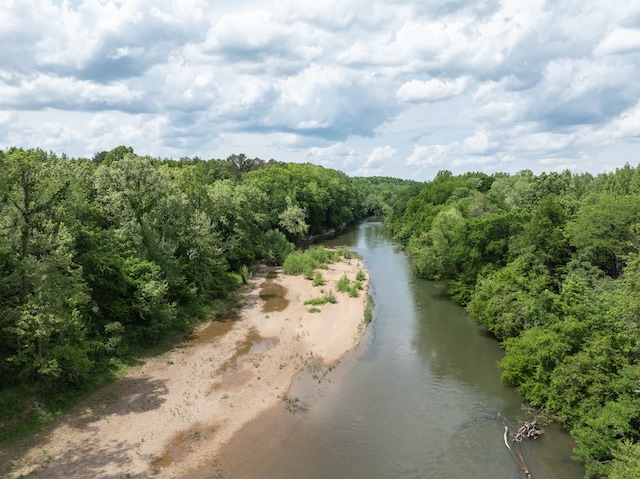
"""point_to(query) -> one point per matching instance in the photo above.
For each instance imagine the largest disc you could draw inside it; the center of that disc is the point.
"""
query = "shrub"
(275, 247)
(330, 297)
(318, 279)
(360, 276)
(308, 271)
(298, 262)
(343, 283)
(353, 291)
(323, 255)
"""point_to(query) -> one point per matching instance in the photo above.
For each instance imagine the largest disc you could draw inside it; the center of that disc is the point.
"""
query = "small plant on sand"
(315, 301)
(342, 284)
(314, 309)
(318, 279)
(329, 297)
(360, 276)
(353, 290)
(307, 272)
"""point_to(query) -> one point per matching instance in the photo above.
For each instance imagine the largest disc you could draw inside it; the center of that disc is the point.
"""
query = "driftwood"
(506, 434)
(529, 430)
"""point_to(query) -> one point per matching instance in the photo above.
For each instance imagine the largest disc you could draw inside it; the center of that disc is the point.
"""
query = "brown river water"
(419, 398)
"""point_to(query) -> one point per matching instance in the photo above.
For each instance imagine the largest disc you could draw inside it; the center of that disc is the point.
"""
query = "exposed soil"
(173, 413)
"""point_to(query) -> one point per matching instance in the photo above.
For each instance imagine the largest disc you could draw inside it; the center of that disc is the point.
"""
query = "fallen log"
(523, 465)
(528, 430)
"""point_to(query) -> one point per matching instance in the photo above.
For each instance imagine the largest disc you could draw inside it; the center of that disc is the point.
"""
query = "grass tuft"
(328, 297)
(343, 284)
(318, 279)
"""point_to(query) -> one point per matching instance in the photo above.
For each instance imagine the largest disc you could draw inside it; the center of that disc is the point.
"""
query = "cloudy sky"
(400, 88)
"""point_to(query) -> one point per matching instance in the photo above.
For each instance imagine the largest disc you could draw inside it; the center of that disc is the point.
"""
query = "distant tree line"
(550, 264)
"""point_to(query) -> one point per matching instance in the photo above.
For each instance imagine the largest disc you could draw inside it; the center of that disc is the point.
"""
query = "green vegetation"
(328, 297)
(305, 262)
(368, 310)
(549, 264)
(342, 285)
(318, 279)
(360, 276)
(102, 259)
(378, 193)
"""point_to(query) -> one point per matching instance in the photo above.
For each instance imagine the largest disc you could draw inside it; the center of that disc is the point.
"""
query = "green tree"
(605, 230)
(292, 220)
(45, 298)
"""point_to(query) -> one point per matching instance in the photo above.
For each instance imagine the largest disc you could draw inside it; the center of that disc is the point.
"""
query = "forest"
(102, 259)
(550, 265)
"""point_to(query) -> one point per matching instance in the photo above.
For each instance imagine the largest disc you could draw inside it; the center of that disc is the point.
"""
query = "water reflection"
(452, 345)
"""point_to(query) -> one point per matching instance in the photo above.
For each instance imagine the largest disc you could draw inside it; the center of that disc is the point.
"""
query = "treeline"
(101, 257)
(550, 264)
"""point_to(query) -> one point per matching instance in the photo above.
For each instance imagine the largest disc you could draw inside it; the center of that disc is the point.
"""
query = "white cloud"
(379, 155)
(46, 90)
(338, 153)
(627, 125)
(431, 90)
(620, 40)
(350, 84)
(479, 143)
(428, 155)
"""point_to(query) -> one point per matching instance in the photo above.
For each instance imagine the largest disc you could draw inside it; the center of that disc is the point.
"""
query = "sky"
(401, 88)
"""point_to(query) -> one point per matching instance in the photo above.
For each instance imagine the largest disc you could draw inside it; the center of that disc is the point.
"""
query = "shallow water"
(419, 399)
(273, 295)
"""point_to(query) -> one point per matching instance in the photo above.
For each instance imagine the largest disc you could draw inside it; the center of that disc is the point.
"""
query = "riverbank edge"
(175, 411)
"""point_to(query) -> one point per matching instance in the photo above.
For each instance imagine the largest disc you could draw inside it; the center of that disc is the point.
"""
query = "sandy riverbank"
(174, 412)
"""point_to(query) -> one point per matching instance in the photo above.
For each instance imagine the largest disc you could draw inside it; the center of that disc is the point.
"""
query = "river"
(419, 398)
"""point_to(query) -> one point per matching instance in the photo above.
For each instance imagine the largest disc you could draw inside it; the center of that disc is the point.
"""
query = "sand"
(173, 413)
